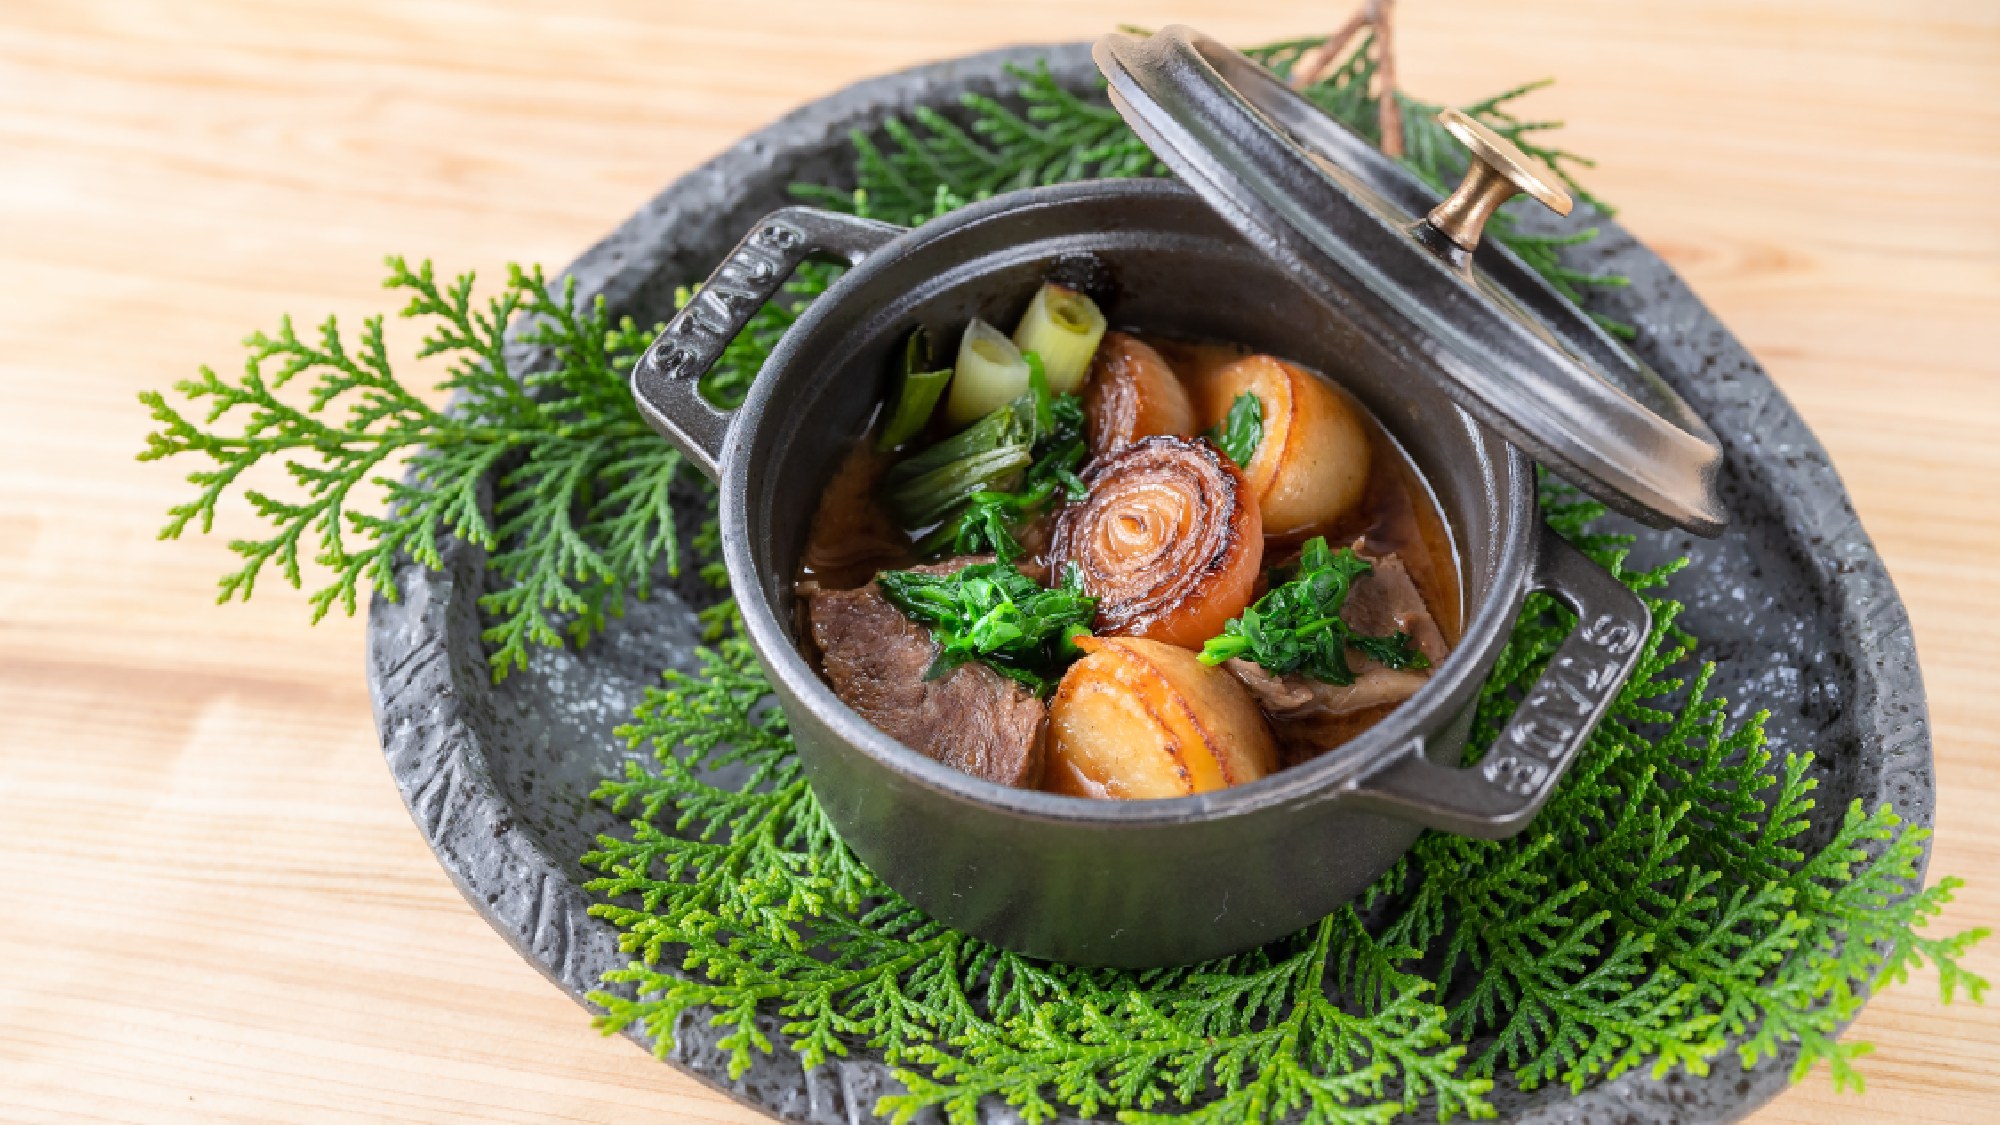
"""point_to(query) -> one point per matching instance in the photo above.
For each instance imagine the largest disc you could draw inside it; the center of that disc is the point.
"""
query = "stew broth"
(853, 538)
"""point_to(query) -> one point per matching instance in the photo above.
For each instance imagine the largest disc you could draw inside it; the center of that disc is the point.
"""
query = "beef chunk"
(1386, 601)
(1310, 717)
(1295, 695)
(972, 719)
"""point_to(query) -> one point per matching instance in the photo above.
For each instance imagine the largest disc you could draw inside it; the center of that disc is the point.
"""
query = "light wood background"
(211, 901)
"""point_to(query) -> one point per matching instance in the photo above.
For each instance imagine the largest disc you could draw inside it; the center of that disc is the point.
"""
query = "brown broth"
(853, 538)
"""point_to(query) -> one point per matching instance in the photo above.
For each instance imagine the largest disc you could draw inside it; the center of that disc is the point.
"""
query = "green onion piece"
(1063, 327)
(916, 393)
(914, 403)
(990, 374)
(928, 498)
(1038, 391)
(988, 456)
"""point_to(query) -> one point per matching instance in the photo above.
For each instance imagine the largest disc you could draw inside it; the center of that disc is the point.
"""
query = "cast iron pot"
(1133, 883)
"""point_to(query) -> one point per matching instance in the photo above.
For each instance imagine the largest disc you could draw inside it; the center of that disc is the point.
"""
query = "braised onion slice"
(1311, 464)
(1168, 541)
(1133, 393)
(1136, 718)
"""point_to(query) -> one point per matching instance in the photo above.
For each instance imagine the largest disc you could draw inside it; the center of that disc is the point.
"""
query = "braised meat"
(1386, 601)
(972, 719)
(1310, 717)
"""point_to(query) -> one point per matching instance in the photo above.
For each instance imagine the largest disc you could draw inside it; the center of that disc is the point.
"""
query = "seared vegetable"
(1137, 718)
(1310, 465)
(993, 613)
(1240, 431)
(917, 393)
(1168, 541)
(1063, 327)
(990, 373)
(988, 456)
(1133, 393)
(1297, 626)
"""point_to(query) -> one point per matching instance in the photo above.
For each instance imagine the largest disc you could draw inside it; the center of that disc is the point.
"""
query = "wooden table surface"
(211, 901)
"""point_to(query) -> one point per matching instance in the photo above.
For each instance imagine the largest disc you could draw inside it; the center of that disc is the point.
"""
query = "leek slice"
(916, 395)
(990, 374)
(1063, 327)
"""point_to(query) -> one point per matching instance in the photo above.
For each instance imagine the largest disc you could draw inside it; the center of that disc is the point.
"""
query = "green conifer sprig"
(1625, 930)
(580, 520)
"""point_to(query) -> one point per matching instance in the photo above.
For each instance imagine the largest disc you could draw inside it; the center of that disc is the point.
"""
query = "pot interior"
(1175, 270)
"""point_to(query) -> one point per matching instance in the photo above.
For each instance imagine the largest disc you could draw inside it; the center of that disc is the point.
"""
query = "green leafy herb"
(993, 613)
(581, 517)
(917, 393)
(989, 520)
(1240, 431)
(1059, 440)
(1296, 627)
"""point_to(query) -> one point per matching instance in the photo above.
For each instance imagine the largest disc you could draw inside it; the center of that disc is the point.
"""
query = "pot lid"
(1374, 242)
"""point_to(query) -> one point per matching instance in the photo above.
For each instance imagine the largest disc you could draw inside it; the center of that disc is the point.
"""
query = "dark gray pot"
(1134, 884)
(1794, 605)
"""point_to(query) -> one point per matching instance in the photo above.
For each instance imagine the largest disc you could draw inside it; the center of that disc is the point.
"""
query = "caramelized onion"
(1168, 541)
(1133, 393)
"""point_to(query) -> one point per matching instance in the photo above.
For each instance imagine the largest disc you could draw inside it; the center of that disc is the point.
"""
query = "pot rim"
(1327, 777)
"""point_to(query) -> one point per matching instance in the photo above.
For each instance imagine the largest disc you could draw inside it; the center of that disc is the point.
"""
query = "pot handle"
(1497, 796)
(666, 381)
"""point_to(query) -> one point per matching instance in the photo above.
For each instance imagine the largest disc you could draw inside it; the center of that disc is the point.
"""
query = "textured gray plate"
(1793, 602)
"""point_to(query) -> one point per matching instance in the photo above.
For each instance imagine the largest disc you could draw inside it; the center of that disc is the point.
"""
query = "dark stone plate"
(1792, 602)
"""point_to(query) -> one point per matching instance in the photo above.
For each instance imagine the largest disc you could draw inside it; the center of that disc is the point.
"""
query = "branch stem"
(1317, 64)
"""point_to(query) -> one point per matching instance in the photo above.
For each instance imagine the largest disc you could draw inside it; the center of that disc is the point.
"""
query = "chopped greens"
(989, 518)
(993, 613)
(917, 393)
(1297, 626)
(1240, 431)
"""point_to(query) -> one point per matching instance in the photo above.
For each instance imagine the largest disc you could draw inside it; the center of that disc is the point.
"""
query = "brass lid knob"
(1499, 171)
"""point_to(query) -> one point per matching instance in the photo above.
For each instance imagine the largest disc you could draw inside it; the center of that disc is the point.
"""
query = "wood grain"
(214, 905)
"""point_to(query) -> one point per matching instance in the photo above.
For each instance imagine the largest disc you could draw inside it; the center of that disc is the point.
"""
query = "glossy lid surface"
(1351, 223)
